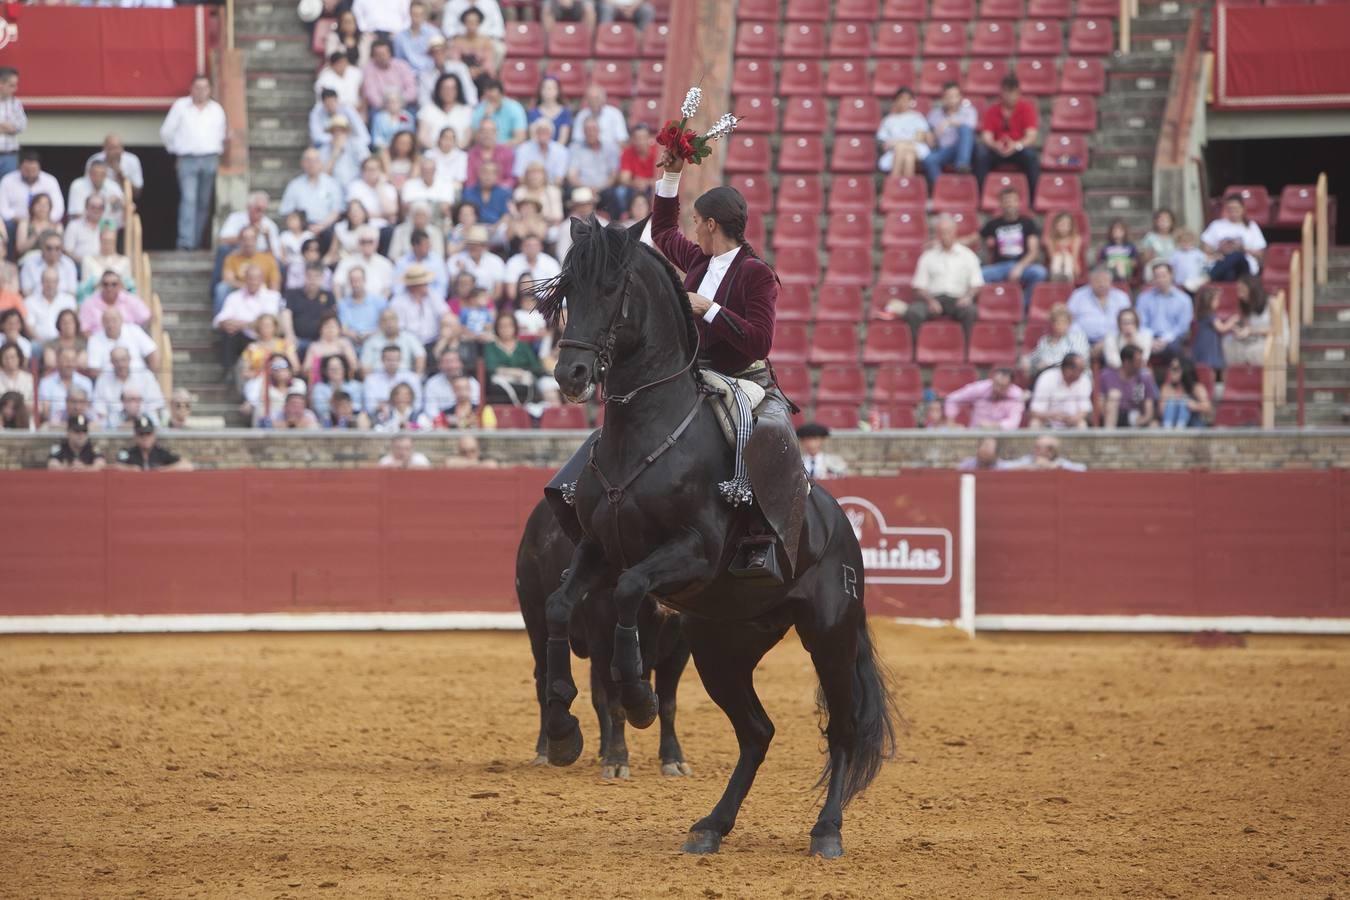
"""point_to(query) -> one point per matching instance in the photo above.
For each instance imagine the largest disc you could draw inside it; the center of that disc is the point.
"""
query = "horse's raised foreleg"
(679, 562)
(588, 569)
(726, 654)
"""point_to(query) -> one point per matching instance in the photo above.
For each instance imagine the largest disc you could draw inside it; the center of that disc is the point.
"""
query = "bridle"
(603, 349)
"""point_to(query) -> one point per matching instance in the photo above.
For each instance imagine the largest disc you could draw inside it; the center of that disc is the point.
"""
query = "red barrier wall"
(1282, 57)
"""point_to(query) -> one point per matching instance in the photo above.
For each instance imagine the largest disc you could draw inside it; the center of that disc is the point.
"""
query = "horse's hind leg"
(668, 672)
(834, 662)
(726, 655)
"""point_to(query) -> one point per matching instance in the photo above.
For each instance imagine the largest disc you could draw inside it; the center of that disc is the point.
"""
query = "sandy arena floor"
(397, 765)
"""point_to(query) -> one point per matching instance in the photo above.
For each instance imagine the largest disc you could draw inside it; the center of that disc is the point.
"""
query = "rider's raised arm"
(666, 233)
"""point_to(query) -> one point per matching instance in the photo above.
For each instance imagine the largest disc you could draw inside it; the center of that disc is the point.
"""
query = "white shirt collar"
(722, 260)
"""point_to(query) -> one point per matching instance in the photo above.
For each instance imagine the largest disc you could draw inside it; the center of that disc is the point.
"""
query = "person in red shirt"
(637, 170)
(1008, 132)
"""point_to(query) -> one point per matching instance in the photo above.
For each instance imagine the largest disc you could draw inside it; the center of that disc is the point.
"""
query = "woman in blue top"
(549, 104)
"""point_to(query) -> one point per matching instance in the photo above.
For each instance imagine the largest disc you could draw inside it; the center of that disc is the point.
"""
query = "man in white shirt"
(117, 333)
(412, 353)
(542, 148)
(44, 305)
(815, 460)
(111, 385)
(195, 131)
(389, 16)
(18, 188)
(241, 310)
(81, 237)
(613, 128)
(343, 78)
(314, 192)
(426, 188)
(122, 165)
(488, 269)
(50, 255)
(253, 215)
(531, 261)
(494, 26)
(945, 280)
(377, 195)
(419, 313)
(1062, 397)
(379, 269)
(96, 183)
(401, 455)
(13, 120)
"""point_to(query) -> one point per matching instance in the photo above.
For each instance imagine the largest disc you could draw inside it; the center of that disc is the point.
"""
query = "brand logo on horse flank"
(898, 554)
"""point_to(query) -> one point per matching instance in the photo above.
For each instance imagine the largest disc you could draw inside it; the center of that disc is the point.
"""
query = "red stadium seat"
(803, 40)
(808, 10)
(888, 344)
(1205, 375)
(1000, 9)
(997, 183)
(801, 77)
(883, 295)
(616, 77)
(1040, 37)
(944, 39)
(834, 342)
(1238, 415)
(850, 265)
(840, 303)
(1073, 113)
(1056, 192)
(569, 416)
(1032, 332)
(796, 231)
(1242, 384)
(992, 344)
(904, 10)
(1255, 199)
(793, 380)
(851, 194)
(520, 77)
(525, 39)
(757, 39)
(570, 39)
(616, 40)
(752, 76)
(794, 304)
(890, 75)
(757, 113)
(1296, 201)
(801, 153)
(950, 376)
(893, 415)
(850, 39)
(757, 190)
(934, 73)
(897, 266)
(800, 193)
(571, 75)
(904, 195)
(967, 221)
(645, 109)
(651, 77)
(1000, 302)
(1046, 295)
(1275, 265)
(791, 342)
(1065, 153)
(846, 78)
(654, 40)
(984, 76)
(897, 39)
(798, 268)
(952, 9)
(511, 417)
(1037, 76)
(837, 416)
(848, 228)
(754, 230)
(994, 38)
(855, 11)
(1083, 76)
(955, 192)
(852, 154)
(897, 383)
(762, 10)
(842, 384)
(1097, 8)
(805, 114)
(1090, 37)
(748, 153)
(1049, 9)
(857, 114)
(904, 229)
(940, 341)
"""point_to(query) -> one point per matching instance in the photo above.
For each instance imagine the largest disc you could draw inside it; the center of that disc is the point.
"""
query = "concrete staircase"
(183, 282)
(1326, 353)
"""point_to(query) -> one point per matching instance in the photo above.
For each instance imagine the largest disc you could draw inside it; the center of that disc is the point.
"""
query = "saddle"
(724, 399)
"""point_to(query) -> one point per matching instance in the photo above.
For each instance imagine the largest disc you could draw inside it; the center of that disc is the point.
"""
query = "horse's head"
(597, 282)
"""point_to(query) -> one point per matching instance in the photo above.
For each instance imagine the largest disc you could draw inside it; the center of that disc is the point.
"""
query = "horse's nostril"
(579, 372)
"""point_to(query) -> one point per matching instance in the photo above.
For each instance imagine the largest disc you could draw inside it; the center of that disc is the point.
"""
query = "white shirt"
(130, 165)
(382, 15)
(107, 399)
(1249, 235)
(189, 130)
(269, 236)
(133, 338)
(543, 268)
(1052, 395)
(15, 194)
(347, 85)
(42, 314)
(416, 461)
(381, 201)
(493, 25)
(613, 129)
(242, 306)
(379, 273)
(488, 272)
(80, 238)
(948, 273)
(416, 190)
(81, 189)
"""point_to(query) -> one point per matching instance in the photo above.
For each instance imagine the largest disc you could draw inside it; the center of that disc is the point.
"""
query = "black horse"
(541, 559)
(653, 523)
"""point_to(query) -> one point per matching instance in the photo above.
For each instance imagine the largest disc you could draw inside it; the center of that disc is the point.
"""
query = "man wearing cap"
(488, 269)
(313, 192)
(76, 452)
(342, 156)
(993, 403)
(420, 255)
(531, 261)
(817, 463)
(146, 454)
(419, 313)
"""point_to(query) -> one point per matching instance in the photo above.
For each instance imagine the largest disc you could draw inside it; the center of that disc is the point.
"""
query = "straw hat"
(418, 274)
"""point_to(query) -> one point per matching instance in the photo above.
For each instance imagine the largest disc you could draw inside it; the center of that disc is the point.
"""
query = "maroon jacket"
(742, 332)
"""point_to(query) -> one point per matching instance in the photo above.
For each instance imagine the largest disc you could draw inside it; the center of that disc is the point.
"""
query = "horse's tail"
(874, 717)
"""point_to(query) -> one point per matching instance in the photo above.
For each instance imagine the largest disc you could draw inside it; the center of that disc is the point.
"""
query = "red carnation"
(687, 144)
(669, 134)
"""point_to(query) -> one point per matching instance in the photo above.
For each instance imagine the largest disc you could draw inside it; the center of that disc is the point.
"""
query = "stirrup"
(756, 559)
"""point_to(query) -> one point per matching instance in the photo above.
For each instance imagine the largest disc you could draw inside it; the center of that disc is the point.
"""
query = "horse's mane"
(598, 257)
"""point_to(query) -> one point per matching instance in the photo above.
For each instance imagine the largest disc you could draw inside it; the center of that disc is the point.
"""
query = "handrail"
(1321, 228)
(1309, 254)
(1296, 301)
(1128, 9)
(1272, 374)
(1176, 125)
(229, 24)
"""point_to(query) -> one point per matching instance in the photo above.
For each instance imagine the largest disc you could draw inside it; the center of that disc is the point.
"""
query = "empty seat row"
(892, 342)
(849, 78)
(520, 77)
(1296, 201)
(998, 302)
(919, 10)
(613, 40)
(1032, 37)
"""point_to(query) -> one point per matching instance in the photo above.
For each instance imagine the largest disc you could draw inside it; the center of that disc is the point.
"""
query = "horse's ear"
(635, 230)
(579, 227)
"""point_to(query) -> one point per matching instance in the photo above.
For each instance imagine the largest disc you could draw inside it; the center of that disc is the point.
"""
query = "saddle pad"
(724, 402)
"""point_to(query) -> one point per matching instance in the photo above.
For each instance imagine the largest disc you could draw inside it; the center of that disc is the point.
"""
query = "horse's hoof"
(566, 750)
(702, 842)
(827, 846)
(540, 760)
(619, 771)
(640, 705)
(675, 769)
